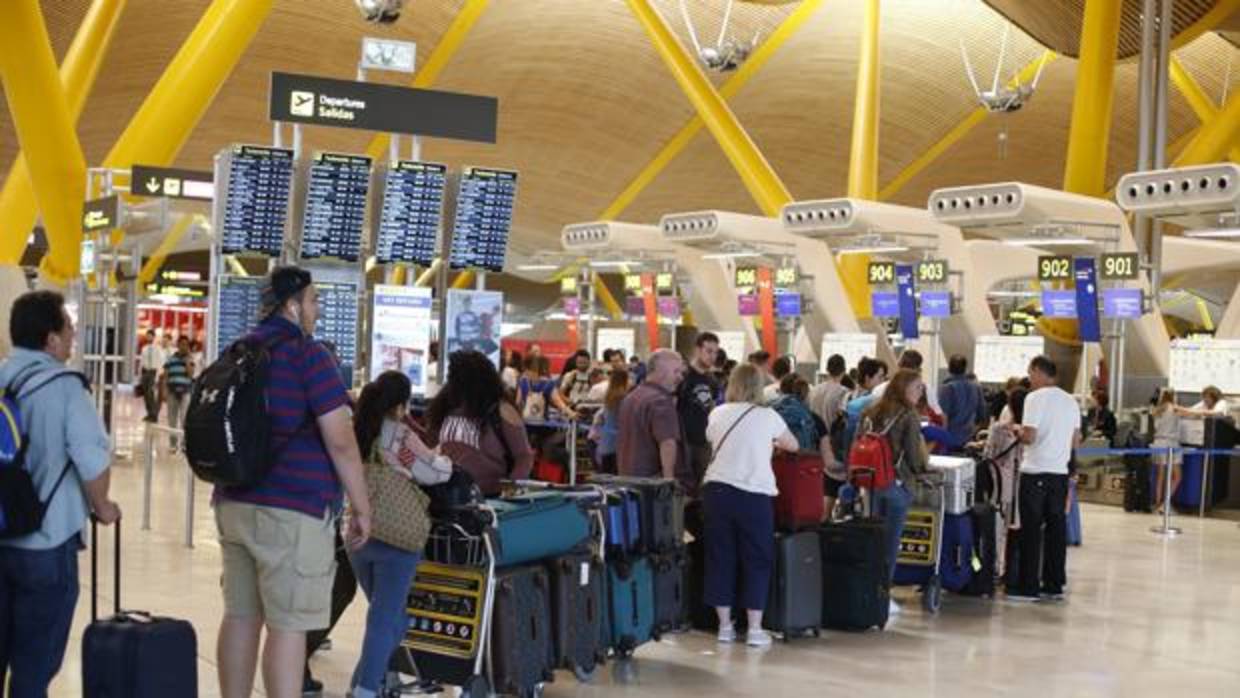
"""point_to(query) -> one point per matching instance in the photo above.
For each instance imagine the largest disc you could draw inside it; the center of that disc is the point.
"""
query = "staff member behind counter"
(1193, 426)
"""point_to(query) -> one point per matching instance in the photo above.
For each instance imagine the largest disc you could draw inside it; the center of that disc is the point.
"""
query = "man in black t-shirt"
(698, 395)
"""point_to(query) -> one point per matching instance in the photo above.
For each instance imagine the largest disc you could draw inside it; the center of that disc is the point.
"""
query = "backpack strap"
(728, 433)
(17, 387)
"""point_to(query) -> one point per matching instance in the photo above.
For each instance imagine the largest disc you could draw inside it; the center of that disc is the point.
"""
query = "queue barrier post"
(1166, 529)
(147, 476)
(572, 452)
(189, 508)
(150, 437)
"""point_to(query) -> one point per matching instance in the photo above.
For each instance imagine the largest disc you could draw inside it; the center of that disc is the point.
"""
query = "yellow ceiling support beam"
(958, 132)
(1085, 171)
(18, 210)
(786, 30)
(1222, 10)
(435, 63)
(755, 172)
(464, 279)
(45, 130)
(1197, 98)
(1215, 137)
(171, 239)
(863, 153)
(174, 106)
(604, 295)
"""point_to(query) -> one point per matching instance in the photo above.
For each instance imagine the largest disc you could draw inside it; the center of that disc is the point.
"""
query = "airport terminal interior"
(633, 214)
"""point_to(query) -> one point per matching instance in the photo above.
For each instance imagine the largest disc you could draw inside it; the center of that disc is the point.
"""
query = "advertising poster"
(474, 321)
(400, 334)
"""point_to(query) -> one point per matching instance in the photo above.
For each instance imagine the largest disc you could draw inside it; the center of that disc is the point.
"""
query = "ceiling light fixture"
(1047, 242)
(875, 249)
(731, 255)
(606, 263)
(537, 267)
(1213, 233)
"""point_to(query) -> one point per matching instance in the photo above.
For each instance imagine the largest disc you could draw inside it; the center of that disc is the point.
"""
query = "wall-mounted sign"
(370, 106)
(1120, 266)
(633, 283)
(568, 285)
(787, 277)
(747, 305)
(668, 307)
(1122, 303)
(664, 281)
(101, 214)
(907, 289)
(880, 273)
(746, 277)
(1059, 304)
(1054, 268)
(172, 182)
(1086, 275)
(788, 305)
(885, 304)
(572, 306)
(932, 271)
(936, 304)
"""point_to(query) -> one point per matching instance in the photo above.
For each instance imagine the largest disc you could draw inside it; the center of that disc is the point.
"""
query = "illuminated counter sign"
(409, 225)
(335, 211)
(256, 199)
(483, 219)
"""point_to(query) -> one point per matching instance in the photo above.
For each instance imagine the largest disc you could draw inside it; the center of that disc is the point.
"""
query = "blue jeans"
(892, 504)
(38, 592)
(740, 547)
(385, 574)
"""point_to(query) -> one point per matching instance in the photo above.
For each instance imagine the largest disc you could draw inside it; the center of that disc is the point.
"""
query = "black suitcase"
(662, 510)
(856, 585)
(1137, 495)
(701, 616)
(577, 612)
(134, 654)
(982, 583)
(794, 605)
(671, 591)
(522, 651)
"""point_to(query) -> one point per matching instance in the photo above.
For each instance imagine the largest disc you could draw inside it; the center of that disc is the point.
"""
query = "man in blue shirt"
(39, 572)
(962, 401)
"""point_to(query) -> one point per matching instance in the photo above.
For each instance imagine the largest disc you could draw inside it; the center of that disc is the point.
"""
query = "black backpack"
(227, 426)
(21, 509)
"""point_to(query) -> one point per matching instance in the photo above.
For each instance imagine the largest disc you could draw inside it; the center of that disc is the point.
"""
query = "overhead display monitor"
(334, 215)
(412, 213)
(1122, 303)
(1197, 363)
(338, 320)
(239, 302)
(996, 359)
(853, 346)
(484, 210)
(256, 199)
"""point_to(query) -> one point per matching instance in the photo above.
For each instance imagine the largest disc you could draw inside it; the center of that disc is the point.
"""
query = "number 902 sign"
(1054, 268)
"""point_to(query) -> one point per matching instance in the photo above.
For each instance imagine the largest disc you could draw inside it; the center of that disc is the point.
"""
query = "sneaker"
(1023, 598)
(758, 638)
(893, 608)
(1053, 594)
(727, 634)
(311, 687)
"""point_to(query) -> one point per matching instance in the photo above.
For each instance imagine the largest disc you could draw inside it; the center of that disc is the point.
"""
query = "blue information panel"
(412, 211)
(335, 212)
(1059, 304)
(908, 301)
(338, 322)
(1122, 303)
(885, 304)
(788, 304)
(256, 201)
(483, 219)
(937, 304)
(1087, 299)
(239, 303)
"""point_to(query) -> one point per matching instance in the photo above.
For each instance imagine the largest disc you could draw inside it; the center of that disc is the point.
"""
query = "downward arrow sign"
(152, 185)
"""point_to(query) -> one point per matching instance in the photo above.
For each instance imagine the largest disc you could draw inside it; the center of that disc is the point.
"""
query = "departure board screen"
(335, 211)
(256, 201)
(483, 218)
(338, 322)
(412, 210)
(240, 299)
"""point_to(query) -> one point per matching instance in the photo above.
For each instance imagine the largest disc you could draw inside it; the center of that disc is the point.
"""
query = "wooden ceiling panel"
(1057, 23)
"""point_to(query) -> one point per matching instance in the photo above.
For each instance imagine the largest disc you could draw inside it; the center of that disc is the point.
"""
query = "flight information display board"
(240, 299)
(256, 199)
(997, 358)
(1197, 363)
(335, 212)
(483, 218)
(412, 211)
(338, 321)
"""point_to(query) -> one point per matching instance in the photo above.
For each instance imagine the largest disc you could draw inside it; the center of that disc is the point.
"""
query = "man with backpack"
(54, 471)
(277, 536)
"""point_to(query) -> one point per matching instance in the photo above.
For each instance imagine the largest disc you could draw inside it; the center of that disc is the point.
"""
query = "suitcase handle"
(94, 569)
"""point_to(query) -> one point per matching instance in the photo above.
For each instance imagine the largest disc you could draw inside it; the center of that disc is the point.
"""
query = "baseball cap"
(283, 284)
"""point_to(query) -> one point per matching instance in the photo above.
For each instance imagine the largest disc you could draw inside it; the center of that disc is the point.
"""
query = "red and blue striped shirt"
(304, 383)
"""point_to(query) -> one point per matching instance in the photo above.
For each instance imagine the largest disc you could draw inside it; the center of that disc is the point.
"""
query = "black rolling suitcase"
(794, 605)
(662, 506)
(856, 585)
(577, 598)
(522, 651)
(985, 552)
(701, 616)
(671, 591)
(134, 654)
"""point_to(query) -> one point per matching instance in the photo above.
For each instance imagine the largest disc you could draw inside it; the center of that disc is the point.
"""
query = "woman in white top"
(1166, 436)
(737, 492)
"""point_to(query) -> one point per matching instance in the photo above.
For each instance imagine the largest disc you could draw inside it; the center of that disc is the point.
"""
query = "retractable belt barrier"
(152, 430)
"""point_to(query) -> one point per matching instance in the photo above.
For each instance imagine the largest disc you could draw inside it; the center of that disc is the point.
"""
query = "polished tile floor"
(1145, 617)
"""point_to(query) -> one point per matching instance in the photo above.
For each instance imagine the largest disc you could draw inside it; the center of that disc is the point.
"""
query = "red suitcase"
(799, 479)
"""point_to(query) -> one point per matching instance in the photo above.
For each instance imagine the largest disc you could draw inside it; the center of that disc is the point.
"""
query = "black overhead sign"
(345, 103)
(101, 214)
(149, 180)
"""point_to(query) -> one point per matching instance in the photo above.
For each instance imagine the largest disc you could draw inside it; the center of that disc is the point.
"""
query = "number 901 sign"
(1119, 266)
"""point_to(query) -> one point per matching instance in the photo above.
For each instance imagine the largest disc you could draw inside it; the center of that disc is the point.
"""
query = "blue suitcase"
(1073, 532)
(537, 526)
(955, 561)
(624, 531)
(630, 605)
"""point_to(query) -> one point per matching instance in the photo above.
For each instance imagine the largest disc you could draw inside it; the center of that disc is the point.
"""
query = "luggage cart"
(921, 542)
(450, 607)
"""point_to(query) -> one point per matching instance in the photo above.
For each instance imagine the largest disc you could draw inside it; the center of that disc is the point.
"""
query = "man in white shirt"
(151, 361)
(1050, 429)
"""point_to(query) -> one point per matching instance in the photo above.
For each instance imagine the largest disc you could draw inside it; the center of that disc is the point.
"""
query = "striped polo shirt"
(304, 383)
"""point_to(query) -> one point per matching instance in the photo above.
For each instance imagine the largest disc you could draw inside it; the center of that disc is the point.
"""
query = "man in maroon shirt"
(650, 434)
